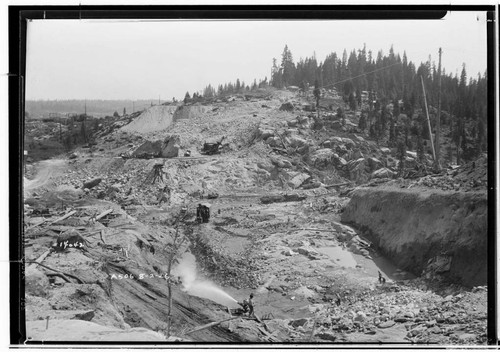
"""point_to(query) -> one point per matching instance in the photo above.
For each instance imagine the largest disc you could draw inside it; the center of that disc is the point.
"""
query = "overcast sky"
(78, 59)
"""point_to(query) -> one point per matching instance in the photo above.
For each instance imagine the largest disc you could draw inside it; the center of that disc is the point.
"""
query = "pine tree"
(187, 98)
(287, 66)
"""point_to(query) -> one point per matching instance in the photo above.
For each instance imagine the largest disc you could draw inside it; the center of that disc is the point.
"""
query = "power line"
(361, 75)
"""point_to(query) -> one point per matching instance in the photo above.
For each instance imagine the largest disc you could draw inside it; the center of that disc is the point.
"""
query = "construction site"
(255, 217)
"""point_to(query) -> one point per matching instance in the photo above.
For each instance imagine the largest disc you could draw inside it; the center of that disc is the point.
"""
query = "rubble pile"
(101, 223)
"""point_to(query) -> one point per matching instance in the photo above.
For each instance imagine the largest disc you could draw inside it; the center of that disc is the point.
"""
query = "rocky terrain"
(305, 213)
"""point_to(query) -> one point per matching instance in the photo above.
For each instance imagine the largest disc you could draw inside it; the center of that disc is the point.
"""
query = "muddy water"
(384, 265)
(339, 256)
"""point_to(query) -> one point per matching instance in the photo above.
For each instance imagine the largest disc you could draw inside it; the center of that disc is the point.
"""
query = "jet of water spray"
(186, 269)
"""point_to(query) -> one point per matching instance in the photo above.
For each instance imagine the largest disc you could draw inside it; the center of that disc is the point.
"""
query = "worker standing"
(250, 306)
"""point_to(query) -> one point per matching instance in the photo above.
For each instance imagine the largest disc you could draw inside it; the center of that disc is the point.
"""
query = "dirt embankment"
(156, 118)
(435, 234)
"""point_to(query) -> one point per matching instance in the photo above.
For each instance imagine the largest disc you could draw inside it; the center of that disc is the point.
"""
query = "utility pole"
(428, 120)
(438, 120)
(85, 107)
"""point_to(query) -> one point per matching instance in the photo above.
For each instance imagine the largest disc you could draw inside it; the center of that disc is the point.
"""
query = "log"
(312, 331)
(103, 214)
(209, 325)
(64, 277)
(338, 184)
(37, 224)
(101, 234)
(58, 271)
(321, 230)
(283, 142)
(270, 336)
(150, 296)
(67, 215)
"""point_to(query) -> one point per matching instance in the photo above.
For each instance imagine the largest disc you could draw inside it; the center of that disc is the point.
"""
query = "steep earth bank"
(430, 233)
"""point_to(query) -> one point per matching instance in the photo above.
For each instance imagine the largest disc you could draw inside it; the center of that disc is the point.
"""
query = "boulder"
(385, 150)
(265, 133)
(274, 142)
(383, 173)
(439, 264)
(357, 155)
(348, 142)
(265, 166)
(281, 163)
(297, 142)
(297, 180)
(298, 322)
(411, 154)
(336, 125)
(292, 123)
(386, 324)
(309, 252)
(360, 316)
(356, 169)
(303, 120)
(374, 164)
(341, 162)
(322, 158)
(327, 336)
(92, 184)
(288, 253)
(303, 150)
(288, 106)
(341, 149)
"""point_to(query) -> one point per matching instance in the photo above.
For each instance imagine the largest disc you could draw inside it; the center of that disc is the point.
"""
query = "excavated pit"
(426, 232)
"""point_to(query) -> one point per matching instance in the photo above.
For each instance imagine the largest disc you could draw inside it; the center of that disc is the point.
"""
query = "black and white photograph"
(270, 180)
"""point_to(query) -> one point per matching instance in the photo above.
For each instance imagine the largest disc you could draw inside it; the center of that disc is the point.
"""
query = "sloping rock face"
(170, 147)
(426, 232)
(156, 118)
(148, 147)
